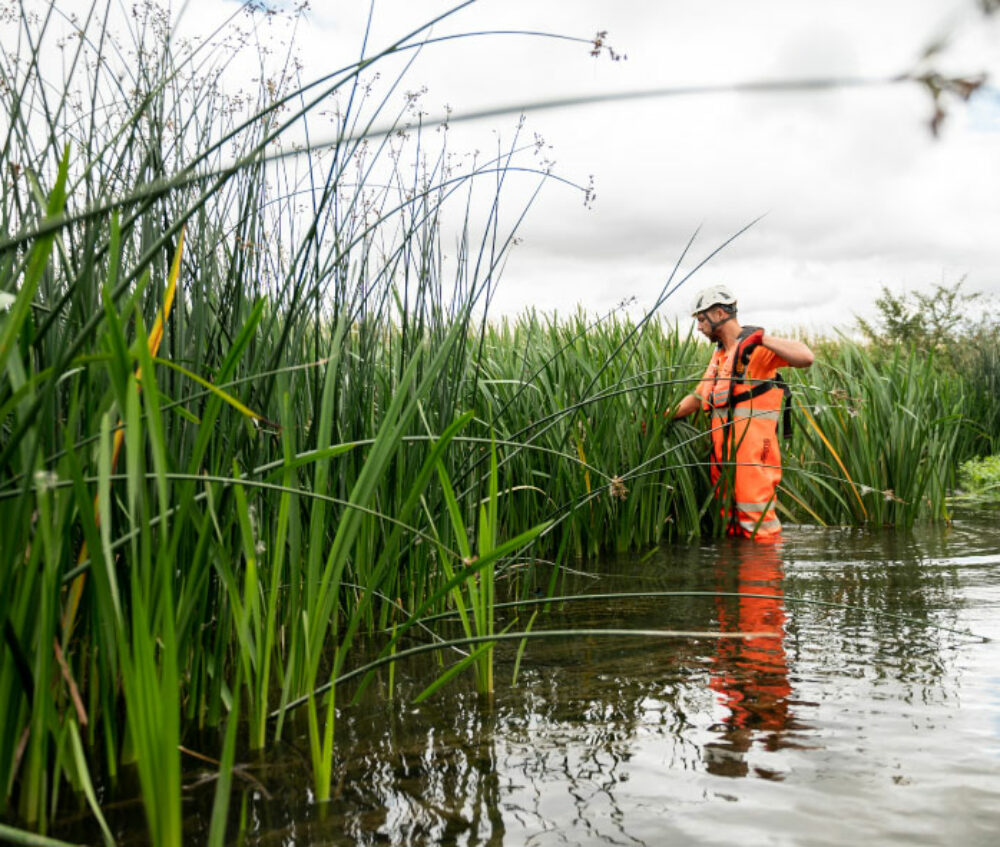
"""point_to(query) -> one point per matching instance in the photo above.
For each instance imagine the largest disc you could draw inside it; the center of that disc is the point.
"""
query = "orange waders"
(746, 459)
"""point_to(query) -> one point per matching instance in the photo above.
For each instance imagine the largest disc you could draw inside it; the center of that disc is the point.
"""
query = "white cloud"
(854, 190)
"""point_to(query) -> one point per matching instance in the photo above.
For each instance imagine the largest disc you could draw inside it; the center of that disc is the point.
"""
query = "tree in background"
(945, 320)
(960, 329)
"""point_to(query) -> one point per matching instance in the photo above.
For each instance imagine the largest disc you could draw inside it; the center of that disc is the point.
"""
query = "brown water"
(860, 718)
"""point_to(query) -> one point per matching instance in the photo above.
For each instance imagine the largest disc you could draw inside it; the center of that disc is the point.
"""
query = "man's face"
(705, 319)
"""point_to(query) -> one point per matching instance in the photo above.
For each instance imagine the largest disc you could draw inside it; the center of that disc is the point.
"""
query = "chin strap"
(714, 325)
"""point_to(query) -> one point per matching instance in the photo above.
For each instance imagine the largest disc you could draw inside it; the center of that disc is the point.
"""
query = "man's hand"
(688, 406)
(667, 418)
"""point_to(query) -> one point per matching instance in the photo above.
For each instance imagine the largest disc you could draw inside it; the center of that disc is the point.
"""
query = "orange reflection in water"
(750, 676)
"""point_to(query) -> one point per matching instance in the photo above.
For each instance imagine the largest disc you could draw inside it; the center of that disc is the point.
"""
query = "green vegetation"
(958, 330)
(879, 439)
(944, 318)
(979, 478)
(238, 432)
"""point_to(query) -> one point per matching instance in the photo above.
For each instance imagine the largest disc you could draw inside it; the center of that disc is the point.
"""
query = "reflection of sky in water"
(883, 731)
(996, 714)
(984, 110)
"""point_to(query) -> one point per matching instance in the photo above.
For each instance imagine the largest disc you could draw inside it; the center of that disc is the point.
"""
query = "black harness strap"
(761, 388)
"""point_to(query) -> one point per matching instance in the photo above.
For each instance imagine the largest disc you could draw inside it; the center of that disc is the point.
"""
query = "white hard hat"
(714, 295)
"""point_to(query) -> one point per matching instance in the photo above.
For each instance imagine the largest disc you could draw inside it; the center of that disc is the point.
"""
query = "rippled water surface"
(860, 714)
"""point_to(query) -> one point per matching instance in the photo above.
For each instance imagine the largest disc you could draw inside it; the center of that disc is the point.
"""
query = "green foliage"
(940, 318)
(980, 477)
(960, 329)
(193, 536)
(979, 373)
(197, 527)
(952, 323)
(878, 439)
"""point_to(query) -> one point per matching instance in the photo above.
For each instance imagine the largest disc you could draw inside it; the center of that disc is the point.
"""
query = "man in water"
(744, 393)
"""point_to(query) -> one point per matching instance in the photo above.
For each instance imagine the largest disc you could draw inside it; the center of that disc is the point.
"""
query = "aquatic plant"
(878, 439)
(202, 523)
(979, 373)
(318, 439)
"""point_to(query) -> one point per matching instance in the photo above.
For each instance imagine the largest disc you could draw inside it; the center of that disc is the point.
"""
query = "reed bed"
(240, 432)
(879, 439)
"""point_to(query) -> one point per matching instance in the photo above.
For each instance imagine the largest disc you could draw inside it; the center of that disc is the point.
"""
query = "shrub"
(980, 477)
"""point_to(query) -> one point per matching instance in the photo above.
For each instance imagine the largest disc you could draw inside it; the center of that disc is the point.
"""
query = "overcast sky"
(855, 191)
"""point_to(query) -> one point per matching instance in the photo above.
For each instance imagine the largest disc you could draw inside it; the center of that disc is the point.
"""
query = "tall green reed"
(879, 439)
(265, 501)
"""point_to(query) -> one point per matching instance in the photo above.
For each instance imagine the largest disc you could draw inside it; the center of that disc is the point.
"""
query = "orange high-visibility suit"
(745, 452)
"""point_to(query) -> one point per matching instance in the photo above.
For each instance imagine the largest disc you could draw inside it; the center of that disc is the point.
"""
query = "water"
(860, 714)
